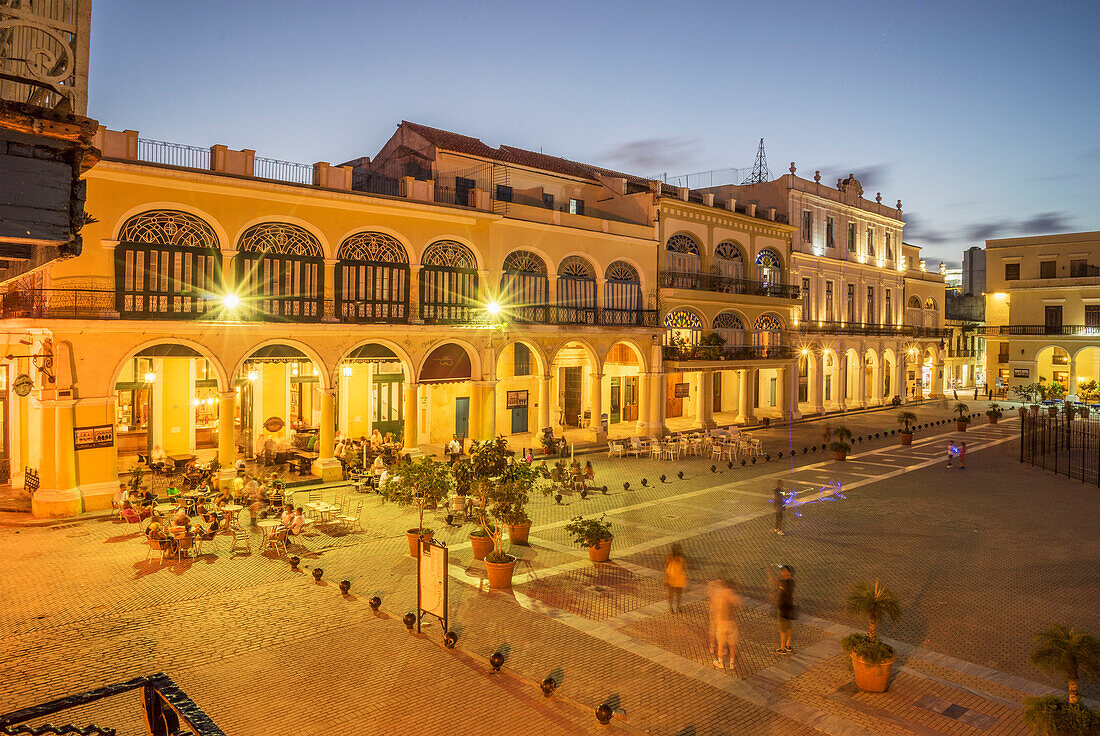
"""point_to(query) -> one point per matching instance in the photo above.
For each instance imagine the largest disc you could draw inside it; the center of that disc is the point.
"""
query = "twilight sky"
(983, 118)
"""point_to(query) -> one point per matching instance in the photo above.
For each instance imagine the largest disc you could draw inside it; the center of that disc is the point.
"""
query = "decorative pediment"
(851, 184)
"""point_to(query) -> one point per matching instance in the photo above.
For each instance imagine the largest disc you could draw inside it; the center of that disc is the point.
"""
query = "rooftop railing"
(273, 168)
(173, 154)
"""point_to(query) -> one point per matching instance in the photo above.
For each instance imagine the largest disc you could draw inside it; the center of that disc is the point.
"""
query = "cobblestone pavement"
(981, 559)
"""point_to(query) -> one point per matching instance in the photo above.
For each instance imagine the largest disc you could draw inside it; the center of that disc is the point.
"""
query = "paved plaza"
(981, 559)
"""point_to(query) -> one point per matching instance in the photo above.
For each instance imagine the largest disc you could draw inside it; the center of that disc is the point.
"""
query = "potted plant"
(1083, 410)
(962, 419)
(137, 475)
(994, 413)
(842, 442)
(1064, 652)
(421, 483)
(907, 420)
(523, 478)
(481, 540)
(872, 660)
(595, 534)
(711, 346)
(1034, 409)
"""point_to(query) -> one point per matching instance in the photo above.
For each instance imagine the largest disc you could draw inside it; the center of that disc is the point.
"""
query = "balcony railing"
(272, 168)
(726, 285)
(1025, 330)
(727, 352)
(102, 304)
(173, 154)
(852, 328)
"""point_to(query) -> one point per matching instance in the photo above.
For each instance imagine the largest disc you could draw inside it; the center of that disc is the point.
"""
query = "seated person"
(224, 498)
(251, 488)
(129, 514)
(122, 494)
(589, 471)
(297, 522)
(383, 479)
(239, 466)
(202, 512)
(288, 516)
(237, 485)
(158, 458)
(378, 465)
(376, 440)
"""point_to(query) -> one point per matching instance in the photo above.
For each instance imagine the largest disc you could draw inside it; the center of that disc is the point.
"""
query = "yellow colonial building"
(1043, 312)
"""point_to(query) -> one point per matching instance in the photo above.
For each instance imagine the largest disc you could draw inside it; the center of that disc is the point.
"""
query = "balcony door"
(1053, 320)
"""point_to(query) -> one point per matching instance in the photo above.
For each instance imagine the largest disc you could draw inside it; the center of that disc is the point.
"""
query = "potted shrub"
(842, 442)
(421, 482)
(137, 475)
(907, 420)
(872, 660)
(1064, 652)
(523, 478)
(481, 540)
(1034, 409)
(994, 413)
(595, 534)
(711, 346)
(962, 419)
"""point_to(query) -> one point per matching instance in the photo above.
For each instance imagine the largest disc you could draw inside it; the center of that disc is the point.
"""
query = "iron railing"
(173, 154)
(272, 168)
(376, 184)
(849, 328)
(165, 707)
(57, 304)
(726, 284)
(727, 352)
(1065, 444)
(1086, 330)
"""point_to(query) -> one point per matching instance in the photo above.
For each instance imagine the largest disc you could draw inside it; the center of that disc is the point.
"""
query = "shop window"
(521, 360)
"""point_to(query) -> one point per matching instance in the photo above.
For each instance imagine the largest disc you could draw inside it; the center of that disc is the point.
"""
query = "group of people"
(724, 605)
(572, 475)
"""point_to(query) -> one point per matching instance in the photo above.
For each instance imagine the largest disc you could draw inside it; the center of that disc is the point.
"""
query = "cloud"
(918, 232)
(871, 176)
(1045, 222)
(652, 154)
(984, 230)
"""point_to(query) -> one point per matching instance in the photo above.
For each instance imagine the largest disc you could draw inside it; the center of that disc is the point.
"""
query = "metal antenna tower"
(760, 171)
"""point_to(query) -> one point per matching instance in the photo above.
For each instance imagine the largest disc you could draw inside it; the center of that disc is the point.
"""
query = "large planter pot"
(906, 438)
(482, 546)
(601, 552)
(840, 455)
(500, 573)
(873, 678)
(1022, 410)
(414, 539)
(1083, 412)
(1034, 410)
(992, 420)
(961, 426)
(518, 533)
(1052, 411)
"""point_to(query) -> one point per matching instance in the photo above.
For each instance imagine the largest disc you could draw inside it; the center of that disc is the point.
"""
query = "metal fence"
(273, 168)
(1067, 446)
(173, 154)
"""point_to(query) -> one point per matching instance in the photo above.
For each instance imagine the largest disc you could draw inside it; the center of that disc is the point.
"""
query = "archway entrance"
(448, 393)
(279, 403)
(571, 373)
(371, 393)
(519, 371)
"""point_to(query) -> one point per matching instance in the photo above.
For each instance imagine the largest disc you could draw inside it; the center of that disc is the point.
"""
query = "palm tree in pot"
(994, 413)
(907, 420)
(422, 483)
(1064, 652)
(872, 660)
(593, 534)
(842, 442)
(962, 419)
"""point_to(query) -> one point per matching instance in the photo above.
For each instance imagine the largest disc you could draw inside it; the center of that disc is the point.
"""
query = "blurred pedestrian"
(951, 451)
(962, 456)
(780, 501)
(828, 433)
(675, 576)
(723, 604)
(784, 605)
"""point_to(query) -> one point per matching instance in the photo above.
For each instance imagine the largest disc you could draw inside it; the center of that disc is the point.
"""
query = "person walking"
(951, 451)
(828, 433)
(962, 456)
(780, 501)
(675, 577)
(784, 605)
(723, 605)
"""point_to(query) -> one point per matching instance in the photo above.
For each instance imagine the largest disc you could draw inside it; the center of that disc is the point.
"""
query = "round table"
(267, 528)
(231, 510)
(164, 508)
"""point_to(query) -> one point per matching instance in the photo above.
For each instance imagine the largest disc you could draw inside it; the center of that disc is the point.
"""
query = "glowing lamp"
(231, 301)
(253, 375)
(805, 351)
(346, 370)
(493, 307)
(150, 377)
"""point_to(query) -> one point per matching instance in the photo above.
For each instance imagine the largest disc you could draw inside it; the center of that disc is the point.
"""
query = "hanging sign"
(431, 582)
(22, 384)
(87, 438)
(273, 424)
(517, 399)
(1021, 373)
(680, 391)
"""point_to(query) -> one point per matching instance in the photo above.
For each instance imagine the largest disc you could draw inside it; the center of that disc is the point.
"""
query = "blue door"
(462, 416)
(519, 420)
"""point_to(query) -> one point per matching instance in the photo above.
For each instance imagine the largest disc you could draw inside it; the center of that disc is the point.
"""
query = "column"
(483, 410)
(544, 404)
(489, 405)
(705, 401)
(781, 393)
(935, 390)
(57, 495)
(414, 294)
(840, 382)
(326, 466)
(817, 382)
(227, 440)
(328, 313)
(64, 448)
(792, 391)
(1071, 389)
(897, 385)
(746, 413)
(656, 404)
(642, 425)
(876, 382)
(861, 382)
(411, 438)
(595, 405)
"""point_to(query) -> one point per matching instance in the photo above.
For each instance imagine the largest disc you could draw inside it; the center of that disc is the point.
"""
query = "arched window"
(524, 288)
(914, 302)
(280, 271)
(167, 264)
(929, 303)
(768, 331)
(372, 279)
(448, 283)
(769, 268)
(728, 261)
(683, 255)
(576, 292)
(683, 326)
(731, 329)
(622, 295)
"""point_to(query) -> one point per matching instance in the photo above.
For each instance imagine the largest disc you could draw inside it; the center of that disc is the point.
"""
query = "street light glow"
(493, 307)
(150, 377)
(230, 301)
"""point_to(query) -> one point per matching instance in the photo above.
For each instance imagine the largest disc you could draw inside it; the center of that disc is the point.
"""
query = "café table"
(267, 530)
(231, 510)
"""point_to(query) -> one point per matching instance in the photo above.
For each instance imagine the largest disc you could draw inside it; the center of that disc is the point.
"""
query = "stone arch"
(476, 368)
(930, 303)
(402, 355)
(324, 371)
(588, 347)
(684, 253)
(224, 240)
(913, 302)
(635, 348)
(445, 244)
(219, 368)
(541, 359)
(326, 249)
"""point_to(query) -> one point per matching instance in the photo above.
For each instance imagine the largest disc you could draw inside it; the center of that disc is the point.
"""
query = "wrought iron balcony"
(1025, 330)
(678, 353)
(726, 285)
(852, 328)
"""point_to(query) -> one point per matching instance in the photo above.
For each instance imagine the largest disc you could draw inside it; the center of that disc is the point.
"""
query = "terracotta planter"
(873, 678)
(992, 420)
(518, 533)
(1034, 410)
(482, 546)
(840, 455)
(601, 552)
(500, 573)
(961, 426)
(906, 438)
(1052, 410)
(414, 538)
(1022, 410)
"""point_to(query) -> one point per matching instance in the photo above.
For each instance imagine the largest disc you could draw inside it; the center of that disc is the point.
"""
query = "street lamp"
(230, 301)
(150, 377)
(493, 307)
